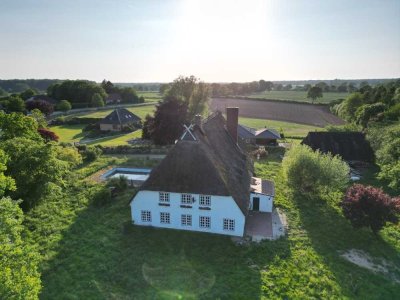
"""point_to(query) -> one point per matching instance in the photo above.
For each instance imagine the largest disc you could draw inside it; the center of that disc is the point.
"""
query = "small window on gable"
(186, 199)
(146, 216)
(205, 200)
(229, 224)
(164, 197)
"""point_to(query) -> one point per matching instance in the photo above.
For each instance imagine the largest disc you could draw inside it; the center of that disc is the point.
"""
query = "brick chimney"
(232, 116)
(197, 120)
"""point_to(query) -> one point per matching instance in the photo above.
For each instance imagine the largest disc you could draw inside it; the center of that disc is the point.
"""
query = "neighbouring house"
(266, 136)
(113, 98)
(119, 119)
(44, 98)
(351, 146)
(205, 183)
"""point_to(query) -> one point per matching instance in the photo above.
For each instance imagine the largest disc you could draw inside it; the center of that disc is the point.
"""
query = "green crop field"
(92, 252)
(299, 96)
(150, 96)
(288, 128)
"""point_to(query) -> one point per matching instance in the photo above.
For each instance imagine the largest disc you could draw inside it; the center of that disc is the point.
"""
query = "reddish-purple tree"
(367, 206)
(45, 107)
(48, 135)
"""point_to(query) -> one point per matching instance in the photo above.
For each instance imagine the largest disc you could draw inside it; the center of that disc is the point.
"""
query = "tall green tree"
(97, 100)
(25, 95)
(15, 104)
(6, 182)
(314, 93)
(17, 125)
(35, 167)
(19, 275)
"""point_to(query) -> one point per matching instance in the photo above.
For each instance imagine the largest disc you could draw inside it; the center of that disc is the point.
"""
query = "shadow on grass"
(331, 234)
(102, 256)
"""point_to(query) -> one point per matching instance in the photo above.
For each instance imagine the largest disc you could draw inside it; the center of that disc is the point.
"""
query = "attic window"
(186, 199)
(205, 200)
(164, 197)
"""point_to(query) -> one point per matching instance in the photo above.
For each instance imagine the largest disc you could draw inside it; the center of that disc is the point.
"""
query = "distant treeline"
(20, 85)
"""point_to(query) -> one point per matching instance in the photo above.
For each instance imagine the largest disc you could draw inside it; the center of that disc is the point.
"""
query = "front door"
(256, 203)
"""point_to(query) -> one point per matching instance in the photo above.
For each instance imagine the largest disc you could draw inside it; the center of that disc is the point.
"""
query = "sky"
(215, 40)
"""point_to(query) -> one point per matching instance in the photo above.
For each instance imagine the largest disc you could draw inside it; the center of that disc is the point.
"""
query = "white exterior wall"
(221, 207)
(265, 202)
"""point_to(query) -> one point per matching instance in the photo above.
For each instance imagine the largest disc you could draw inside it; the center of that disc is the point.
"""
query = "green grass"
(95, 253)
(288, 128)
(299, 96)
(150, 96)
(118, 139)
(69, 133)
(140, 111)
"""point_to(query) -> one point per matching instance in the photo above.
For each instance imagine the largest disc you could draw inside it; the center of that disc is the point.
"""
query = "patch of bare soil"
(316, 115)
(376, 265)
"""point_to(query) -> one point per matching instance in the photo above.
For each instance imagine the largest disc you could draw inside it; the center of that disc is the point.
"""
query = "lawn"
(92, 252)
(69, 133)
(299, 96)
(117, 140)
(140, 111)
(289, 129)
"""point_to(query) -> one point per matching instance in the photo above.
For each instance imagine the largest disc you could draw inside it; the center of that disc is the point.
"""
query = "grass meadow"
(92, 252)
(299, 96)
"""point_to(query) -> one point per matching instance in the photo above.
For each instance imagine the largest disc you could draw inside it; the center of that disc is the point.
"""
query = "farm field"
(299, 96)
(150, 96)
(315, 115)
(96, 253)
(289, 129)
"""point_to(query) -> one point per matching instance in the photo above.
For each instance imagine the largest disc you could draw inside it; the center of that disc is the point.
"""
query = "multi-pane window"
(229, 224)
(165, 218)
(205, 200)
(186, 199)
(186, 220)
(146, 216)
(205, 222)
(164, 197)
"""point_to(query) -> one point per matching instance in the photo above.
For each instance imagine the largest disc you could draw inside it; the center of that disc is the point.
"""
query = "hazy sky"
(216, 40)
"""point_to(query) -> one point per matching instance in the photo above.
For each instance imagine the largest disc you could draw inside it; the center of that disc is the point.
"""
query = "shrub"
(367, 206)
(102, 197)
(48, 135)
(120, 183)
(64, 106)
(92, 153)
(309, 172)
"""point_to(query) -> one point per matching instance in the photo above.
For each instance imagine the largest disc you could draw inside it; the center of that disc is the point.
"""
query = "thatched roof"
(211, 165)
(349, 145)
(120, 116)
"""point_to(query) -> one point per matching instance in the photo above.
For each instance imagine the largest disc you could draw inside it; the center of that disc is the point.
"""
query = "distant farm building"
(113, 98)
(119, 119)
(266, 136)
(44, 98)
(351, 146)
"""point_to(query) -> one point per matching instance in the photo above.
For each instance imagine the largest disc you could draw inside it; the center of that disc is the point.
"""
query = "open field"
(315, 115)
(289, 129)
(299, 96)
(149, 96)
(96, 253)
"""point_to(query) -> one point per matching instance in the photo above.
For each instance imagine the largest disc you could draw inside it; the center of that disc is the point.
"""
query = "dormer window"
(164, 197)
(186, 199)
(205, 200)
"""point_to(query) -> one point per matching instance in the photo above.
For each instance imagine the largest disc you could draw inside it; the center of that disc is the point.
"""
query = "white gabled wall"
(265, 202)
(221, 207)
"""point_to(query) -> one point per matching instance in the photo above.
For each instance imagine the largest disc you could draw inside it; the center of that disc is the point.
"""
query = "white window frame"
(229, 224)
(186, 220)
(163, 197)
(205, 200)
(145, 216)
(165, 218)
(205, 222)
(186, 199)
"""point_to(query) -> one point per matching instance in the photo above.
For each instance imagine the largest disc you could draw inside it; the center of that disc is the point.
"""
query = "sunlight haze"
(143, 41)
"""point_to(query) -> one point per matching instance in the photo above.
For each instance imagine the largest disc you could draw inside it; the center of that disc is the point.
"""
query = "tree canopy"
(314, 93)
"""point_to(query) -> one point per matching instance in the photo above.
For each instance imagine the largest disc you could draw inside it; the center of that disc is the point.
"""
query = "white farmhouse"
(205, 183)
